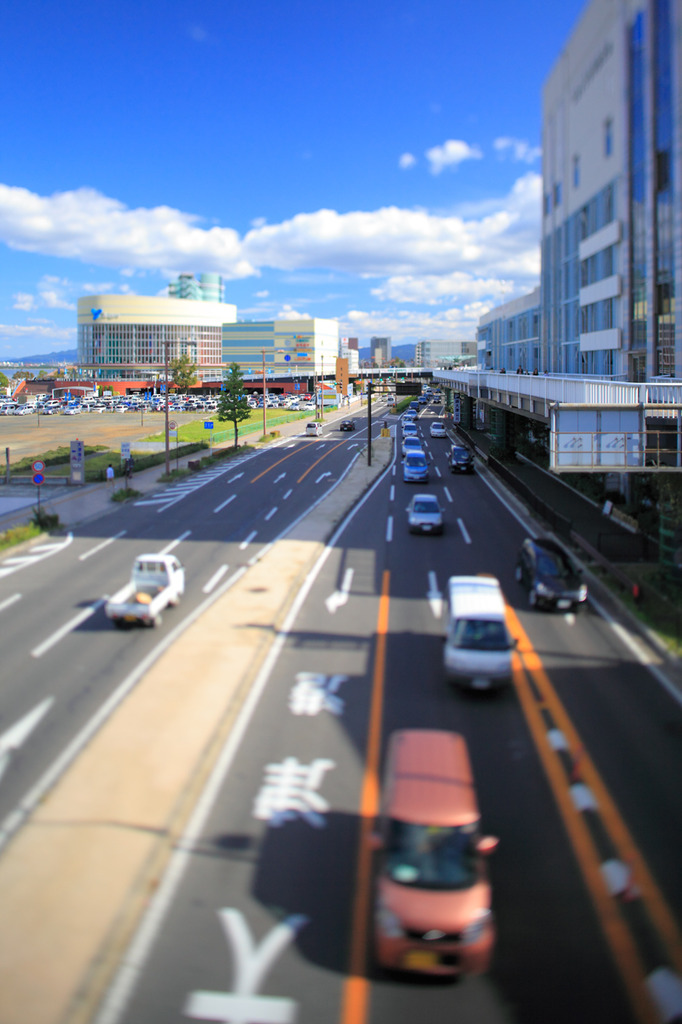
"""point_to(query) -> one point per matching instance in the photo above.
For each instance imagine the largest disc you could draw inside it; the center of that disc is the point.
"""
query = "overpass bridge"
(596, 424)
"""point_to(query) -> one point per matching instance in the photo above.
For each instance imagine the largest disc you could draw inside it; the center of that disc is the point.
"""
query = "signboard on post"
(77, 461)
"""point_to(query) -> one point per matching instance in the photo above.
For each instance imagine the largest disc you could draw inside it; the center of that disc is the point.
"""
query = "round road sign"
(38, 478)
(38, 466)
(172, 425)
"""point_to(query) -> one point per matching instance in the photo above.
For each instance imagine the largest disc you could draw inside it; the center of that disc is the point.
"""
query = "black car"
(461, 460)
(552, 581)
(347, 425)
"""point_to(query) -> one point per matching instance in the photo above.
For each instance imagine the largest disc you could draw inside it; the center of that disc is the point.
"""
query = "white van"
(478, 645)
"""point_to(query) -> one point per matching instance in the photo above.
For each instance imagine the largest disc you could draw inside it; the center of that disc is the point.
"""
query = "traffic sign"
(38, 466)
(38, 478)
(208, 425)
(172, 425)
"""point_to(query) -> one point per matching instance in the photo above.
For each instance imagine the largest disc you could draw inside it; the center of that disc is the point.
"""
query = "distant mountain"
(69, 355)
(404, 352)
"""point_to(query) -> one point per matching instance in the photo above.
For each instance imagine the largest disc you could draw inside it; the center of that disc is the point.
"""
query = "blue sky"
(376, 162)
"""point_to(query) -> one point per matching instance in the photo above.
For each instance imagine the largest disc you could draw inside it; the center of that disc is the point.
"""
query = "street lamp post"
(264, 389)
(165, 358)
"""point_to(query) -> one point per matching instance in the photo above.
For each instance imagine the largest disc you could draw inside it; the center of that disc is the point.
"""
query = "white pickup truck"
(156, 582)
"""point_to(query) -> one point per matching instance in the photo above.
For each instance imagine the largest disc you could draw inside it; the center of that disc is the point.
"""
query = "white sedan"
(437, 429)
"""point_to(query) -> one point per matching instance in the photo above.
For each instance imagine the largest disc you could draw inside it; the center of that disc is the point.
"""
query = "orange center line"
(355, 996)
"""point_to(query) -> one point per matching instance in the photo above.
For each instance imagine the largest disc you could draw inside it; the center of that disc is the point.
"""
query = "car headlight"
(388, 923)
(542, 589)
(582, 592)
(474, 931)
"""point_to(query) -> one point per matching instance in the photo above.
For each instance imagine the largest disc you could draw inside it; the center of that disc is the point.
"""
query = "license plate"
(420, 960)
(426, 528)
(130, 618)
(480, 684)
(563, 604)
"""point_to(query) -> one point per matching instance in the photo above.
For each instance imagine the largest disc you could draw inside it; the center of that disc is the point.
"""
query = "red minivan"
(433, 901)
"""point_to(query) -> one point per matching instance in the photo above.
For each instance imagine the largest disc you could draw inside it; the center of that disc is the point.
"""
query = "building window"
(557, 194)
(608, 137)
(548, 204)
(576, 171)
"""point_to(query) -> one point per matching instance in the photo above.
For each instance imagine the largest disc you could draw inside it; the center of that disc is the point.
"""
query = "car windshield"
(431, 856)
(415, 461)
(459, 454)
(480, 634)
(427, 506)
(553, 565)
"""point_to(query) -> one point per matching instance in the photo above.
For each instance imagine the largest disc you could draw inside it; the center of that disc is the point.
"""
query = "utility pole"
(369, 422)
(264, 417)
(165, 359)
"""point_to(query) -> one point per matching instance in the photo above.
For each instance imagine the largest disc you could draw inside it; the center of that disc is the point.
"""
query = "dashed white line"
(463, 529)
(245, 543)
(391, 496)
(9, 601)
(448, 495)
(227, 501)
(288, 494)
(174, 543)
(215, 579)
(233, 478)
(389, 528)
(67, 628)
(100, 547)
(270, 514)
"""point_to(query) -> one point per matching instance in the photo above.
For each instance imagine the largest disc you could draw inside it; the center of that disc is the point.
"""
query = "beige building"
(444, 353)
(307, 346)
(130, 337)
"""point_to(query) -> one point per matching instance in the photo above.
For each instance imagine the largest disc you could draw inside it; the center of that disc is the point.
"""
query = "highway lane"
(59, 666)
(553, 960)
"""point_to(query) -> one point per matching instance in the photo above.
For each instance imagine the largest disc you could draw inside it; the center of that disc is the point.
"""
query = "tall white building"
(612, 191)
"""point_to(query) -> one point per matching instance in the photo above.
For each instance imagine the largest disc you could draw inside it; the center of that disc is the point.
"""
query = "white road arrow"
(339, 597)
(19, 733)
(434, 596)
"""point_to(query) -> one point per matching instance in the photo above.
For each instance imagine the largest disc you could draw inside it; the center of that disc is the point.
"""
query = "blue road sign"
(38, 478)
(208, 425)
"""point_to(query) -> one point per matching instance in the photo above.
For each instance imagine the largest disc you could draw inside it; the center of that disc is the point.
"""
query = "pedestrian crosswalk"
(174, 493)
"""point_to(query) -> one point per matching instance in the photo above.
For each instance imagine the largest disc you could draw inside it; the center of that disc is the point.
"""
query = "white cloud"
(43, 331)
(24, 301)
(458, 322)
(451, 154)
(88, 226)
(519, 149)
(435, 289)
(406, 161)
(262, 295)
(287, 313)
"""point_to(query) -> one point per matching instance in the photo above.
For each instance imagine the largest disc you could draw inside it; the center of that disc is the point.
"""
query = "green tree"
(232, 404)
(22, 375)
(4, 383)
(183, 372)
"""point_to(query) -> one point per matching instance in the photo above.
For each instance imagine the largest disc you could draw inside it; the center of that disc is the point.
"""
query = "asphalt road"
(266, 911)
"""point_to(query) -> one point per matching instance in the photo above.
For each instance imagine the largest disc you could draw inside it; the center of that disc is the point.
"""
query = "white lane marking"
(448, 495)
(9, 601)
(251, 964)
(665, 988)
(289, 445)
(340, 596)
(583, 797)
(13, 565)
(233, 478)
(280, 477)
(270, 514)
(215, 579)
(463, 528)
(434, 595)
(438, 472)
(328, 473)
(393, 470)
(245, 543)
(174, 543)
(287, 495)
(18, 733)
(100, 547)
(389, 528)
(227, 501)
(320, 447)
(67, 628)
(391, 496)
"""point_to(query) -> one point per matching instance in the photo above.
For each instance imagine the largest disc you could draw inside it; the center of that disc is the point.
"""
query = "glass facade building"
(611, 247)
(308, 346)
